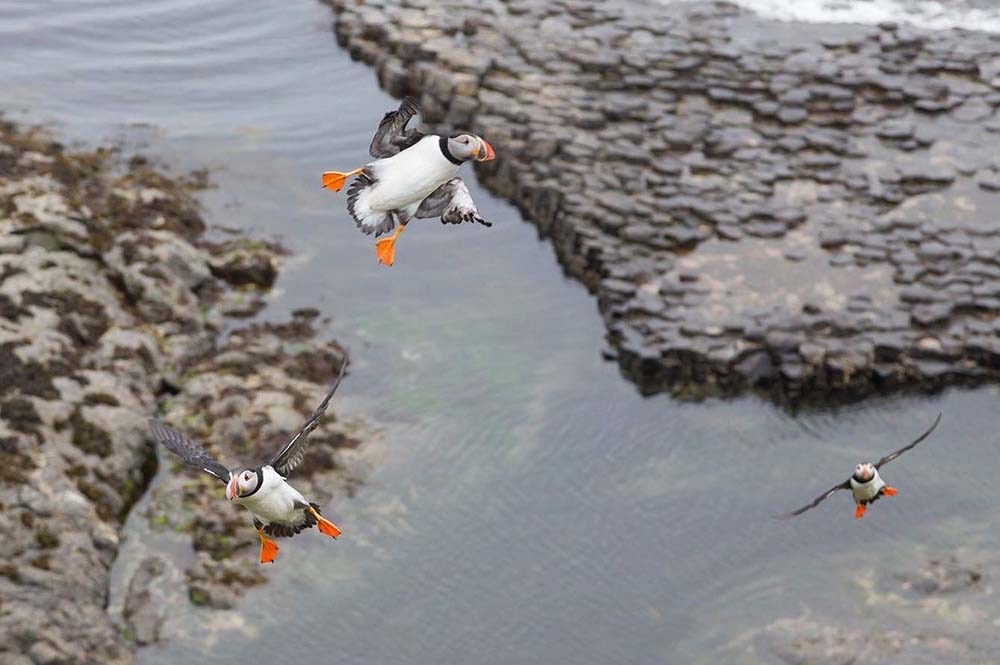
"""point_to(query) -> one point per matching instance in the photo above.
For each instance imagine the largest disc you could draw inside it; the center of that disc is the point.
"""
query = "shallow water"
(525, 504)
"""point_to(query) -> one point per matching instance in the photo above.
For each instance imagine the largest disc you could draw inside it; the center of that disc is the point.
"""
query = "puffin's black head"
(243, 483)
(466, 147)
(864, 472)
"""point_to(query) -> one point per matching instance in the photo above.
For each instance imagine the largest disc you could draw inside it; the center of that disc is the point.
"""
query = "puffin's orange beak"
(231, 488)
(486, 152)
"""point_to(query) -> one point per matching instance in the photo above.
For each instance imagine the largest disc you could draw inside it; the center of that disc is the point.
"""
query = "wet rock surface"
(110, 298)
(805, 210)
(143, 611)
(941, 611)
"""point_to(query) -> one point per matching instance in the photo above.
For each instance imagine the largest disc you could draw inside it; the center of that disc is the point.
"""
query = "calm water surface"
(525, 504)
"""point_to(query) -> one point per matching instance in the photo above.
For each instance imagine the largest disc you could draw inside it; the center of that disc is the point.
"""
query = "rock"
(990, 181)
(143, 612)
(895, 129)
(791, 115)
(246, 263)
(927, 615)
(947, 576)
(43, 653)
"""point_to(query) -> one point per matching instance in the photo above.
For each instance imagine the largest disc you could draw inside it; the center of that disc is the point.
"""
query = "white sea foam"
(931, 14)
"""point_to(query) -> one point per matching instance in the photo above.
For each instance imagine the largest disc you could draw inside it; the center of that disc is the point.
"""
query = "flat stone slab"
(830, 191)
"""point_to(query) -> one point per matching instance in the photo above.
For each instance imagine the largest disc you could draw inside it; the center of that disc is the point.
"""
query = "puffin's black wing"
(452, 203)
(293, 452)
(891, 456)
(191, 452)
(391, 136)
(846, 485)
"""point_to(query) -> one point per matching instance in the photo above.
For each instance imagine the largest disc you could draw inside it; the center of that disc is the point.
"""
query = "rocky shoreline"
(802, 210)
(113, 300)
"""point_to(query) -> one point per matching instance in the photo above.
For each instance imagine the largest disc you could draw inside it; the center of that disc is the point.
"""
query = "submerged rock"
(788, 166)
(939, 612)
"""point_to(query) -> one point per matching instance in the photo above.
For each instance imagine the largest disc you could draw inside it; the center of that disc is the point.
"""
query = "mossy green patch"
(198, 597)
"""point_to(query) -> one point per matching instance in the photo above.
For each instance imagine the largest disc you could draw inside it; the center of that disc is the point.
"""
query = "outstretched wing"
(293, 452)
(391, 136)
(891, 456)
(833, 490)
(191, 452)
(452, 203)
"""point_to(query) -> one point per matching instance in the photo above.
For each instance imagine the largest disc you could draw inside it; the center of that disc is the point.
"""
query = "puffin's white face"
(467, 147)
(864, 471)
(241, 484)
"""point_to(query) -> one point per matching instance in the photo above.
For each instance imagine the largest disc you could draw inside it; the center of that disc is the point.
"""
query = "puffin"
(414, 175)
(277, 508)
(865, 483)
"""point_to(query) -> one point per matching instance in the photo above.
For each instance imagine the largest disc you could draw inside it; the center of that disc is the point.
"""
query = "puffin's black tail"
(368, 220)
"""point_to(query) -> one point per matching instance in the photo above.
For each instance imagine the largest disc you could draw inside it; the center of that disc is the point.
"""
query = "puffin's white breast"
(867, 491)
(410, 176)
(275, 501)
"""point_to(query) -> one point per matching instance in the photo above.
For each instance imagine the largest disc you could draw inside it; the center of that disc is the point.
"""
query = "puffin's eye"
(246, 476)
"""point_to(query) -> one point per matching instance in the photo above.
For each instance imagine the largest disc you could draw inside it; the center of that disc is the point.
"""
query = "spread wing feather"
(291, 455)
(891, 456)
(846, 485)
(189, 451)
(453, 203)
(391, 136)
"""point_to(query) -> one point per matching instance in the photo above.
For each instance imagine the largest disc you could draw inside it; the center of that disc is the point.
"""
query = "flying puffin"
(413, 175)
(277, 508)
(866, 485)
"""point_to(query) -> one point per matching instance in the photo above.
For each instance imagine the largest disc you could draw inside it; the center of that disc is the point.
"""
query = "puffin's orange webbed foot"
(324, 525)
(859, 512)
(268, 548)
(385, 249)
(890, 491)
(335, 179)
